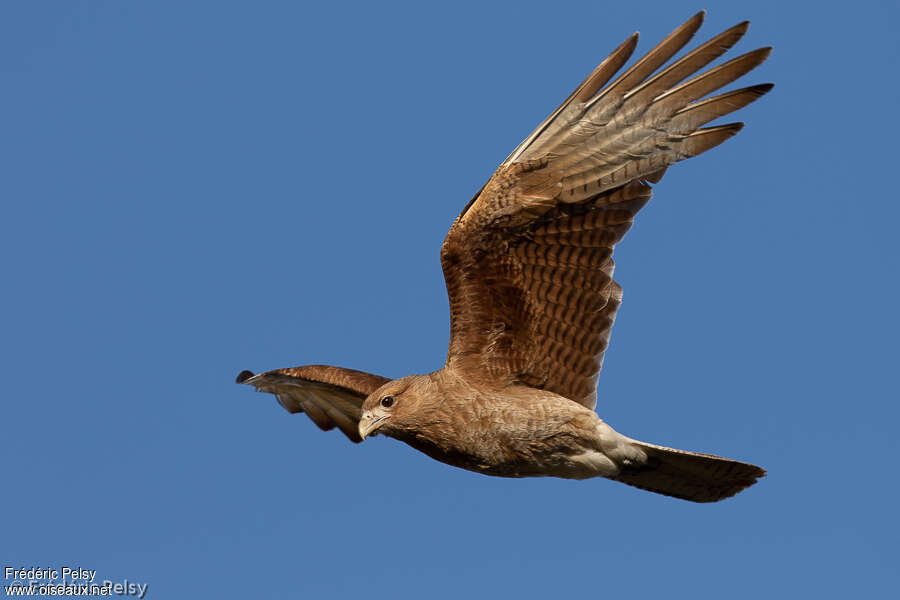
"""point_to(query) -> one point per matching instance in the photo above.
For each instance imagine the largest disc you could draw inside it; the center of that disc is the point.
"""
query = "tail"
(689, 475)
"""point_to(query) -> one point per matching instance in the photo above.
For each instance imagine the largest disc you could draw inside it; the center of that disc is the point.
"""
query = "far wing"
(330, 396)
(528, 263)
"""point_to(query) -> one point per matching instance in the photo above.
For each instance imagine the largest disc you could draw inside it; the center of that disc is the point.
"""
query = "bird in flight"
(529, 273)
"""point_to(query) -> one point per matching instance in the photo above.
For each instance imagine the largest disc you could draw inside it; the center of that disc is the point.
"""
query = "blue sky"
(192, 189)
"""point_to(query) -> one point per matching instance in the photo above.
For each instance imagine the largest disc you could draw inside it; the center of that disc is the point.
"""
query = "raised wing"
(528, 263)
(330, 396)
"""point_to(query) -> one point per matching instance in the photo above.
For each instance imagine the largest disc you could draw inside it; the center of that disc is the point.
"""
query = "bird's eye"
(387, 401)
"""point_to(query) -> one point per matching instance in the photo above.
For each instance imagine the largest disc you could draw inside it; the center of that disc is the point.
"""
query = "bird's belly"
(581, 465)
(564, 457)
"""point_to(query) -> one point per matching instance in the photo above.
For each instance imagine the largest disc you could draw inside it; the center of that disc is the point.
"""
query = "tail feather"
(689, 475)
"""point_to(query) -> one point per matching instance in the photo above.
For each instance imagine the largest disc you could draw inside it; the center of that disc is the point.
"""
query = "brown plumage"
(528, 266)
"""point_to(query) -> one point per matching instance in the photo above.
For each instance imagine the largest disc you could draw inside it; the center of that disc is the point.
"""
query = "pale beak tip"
(364, 424)
(368, 423)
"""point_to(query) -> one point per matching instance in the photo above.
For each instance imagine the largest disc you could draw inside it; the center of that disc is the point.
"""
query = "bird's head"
(390, 408)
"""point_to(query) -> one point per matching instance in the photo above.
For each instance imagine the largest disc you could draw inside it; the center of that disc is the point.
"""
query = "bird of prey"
(528, 267)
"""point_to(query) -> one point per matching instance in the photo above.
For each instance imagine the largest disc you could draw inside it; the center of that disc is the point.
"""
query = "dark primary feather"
(330, 396)
(593, 82)
(528, 264)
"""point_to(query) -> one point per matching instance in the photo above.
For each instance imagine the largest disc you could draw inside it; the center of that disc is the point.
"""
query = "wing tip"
(243, 376)
(760, 55)
(740, 29)
(696, 20)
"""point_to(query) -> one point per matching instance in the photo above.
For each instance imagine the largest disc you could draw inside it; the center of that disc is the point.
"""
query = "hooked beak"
(368, 423)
